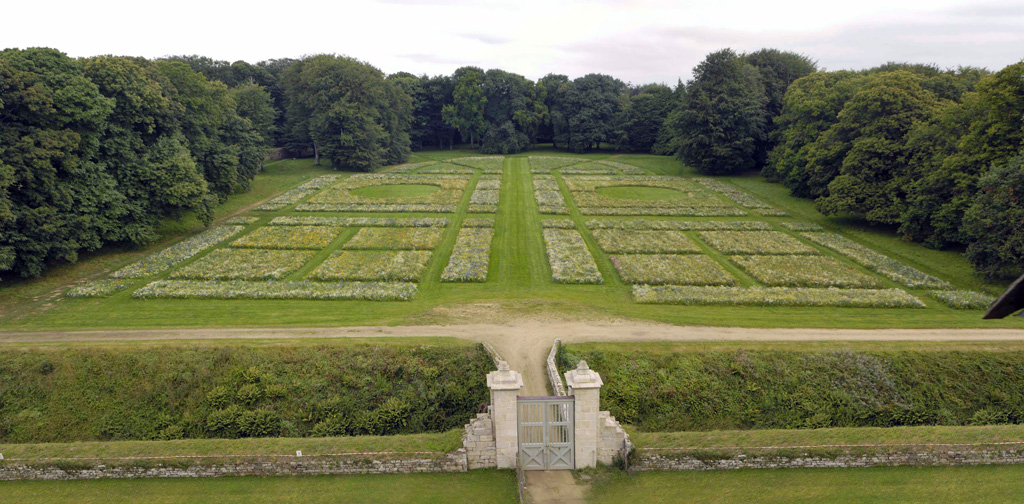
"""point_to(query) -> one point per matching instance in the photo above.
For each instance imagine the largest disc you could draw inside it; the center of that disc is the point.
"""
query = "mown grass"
(483, 487)
(519, 280)
(905, 485)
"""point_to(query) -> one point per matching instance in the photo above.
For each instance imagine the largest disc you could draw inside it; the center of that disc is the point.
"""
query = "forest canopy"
(100, 150)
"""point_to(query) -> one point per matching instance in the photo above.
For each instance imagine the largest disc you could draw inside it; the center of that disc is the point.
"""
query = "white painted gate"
(546, 432)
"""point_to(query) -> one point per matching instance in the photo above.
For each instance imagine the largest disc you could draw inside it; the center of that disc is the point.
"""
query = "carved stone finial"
(582, 366)
(503, 366)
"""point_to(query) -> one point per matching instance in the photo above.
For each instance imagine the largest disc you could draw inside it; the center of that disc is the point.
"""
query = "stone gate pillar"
(585, 384)
(505, 386)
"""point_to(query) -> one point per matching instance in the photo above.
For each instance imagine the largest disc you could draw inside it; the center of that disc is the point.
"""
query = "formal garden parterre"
(669, 240)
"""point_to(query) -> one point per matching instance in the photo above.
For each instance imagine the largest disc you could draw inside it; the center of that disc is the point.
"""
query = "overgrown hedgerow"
(776, 389)
(227, 391)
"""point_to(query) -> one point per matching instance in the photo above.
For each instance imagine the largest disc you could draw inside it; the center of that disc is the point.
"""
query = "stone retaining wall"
(478, 441)
(368, 463)
(557, 388)
(657, 460)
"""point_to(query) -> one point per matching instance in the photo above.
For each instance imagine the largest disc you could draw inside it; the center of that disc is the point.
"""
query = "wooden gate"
(546, 432)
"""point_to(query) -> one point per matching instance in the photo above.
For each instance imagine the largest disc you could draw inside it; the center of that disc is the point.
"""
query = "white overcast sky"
(637, 41)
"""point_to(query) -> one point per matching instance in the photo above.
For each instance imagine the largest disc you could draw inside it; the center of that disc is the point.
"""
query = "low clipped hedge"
(784, 389)
(185, 391)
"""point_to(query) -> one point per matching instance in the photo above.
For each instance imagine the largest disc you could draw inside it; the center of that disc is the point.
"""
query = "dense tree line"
(99, 150)
(936, 154)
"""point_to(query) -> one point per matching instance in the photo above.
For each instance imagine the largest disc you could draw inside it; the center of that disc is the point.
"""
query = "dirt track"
(525, 345)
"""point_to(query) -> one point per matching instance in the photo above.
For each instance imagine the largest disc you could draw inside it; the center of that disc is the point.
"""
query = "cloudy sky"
(635, 40)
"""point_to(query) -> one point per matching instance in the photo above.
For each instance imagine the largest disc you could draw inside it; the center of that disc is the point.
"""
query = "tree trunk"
(316, 154)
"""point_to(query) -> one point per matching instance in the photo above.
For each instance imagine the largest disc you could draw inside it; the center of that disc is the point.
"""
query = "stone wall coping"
(583, 377)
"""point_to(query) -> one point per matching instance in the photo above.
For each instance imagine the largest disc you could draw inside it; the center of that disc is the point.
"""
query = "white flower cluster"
(395, 238)
(100, 288)
(671, 269)
(624, 168)
(801, 226)
(288, 220)
(490, 164)
(755, 242)
(238, 289)
(471, 256)
(885, 266)
(178, 253)
(391, 265)
(589, 169)
(963, 300)
(478, 223)
(549, 196)
(289, 237)
(297, 194)
(569, 257)
(544, 164)
(410, 167)
(737, 196)
(558, 223)
(677, 225)
(804, 271)
(245, 264)
(485, 196)
(375, 207)
(447, 169)
(621, 241)
(241, 220)
(340, 197)
(774, 296)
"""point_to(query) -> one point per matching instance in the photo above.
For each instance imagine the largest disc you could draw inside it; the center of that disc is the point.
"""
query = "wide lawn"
(905, 485)
(483, 487)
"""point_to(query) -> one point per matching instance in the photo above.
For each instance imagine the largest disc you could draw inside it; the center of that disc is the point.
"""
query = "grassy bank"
(665, 387)
(231, 389)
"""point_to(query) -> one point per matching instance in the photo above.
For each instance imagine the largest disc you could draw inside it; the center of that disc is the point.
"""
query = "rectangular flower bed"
(395, 238)
(402, 265)
(622, 241)
(804, 271)
(289, 237)
(755, 242)
(569, 257)
(471, 256)
(245, 264)
(671, 269)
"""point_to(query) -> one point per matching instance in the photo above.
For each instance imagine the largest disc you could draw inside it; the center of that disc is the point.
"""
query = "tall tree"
(466, 113)
(143, 148)
(870, 137)
(556, 128)
(590, 106)
(994, 223)
(347, 111)
(722, 118)
(643, 116)
(810, 107)
(777, 70)
(60, 199)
